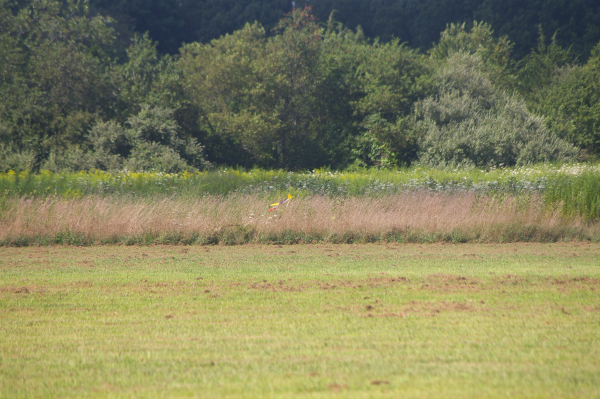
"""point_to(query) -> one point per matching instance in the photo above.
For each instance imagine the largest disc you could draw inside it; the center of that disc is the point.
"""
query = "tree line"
(306, 93)
(416, 22)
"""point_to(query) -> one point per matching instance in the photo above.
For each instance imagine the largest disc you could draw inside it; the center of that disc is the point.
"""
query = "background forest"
(187, 85)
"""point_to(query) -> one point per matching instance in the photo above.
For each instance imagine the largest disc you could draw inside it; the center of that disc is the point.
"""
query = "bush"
(13, 159)
(148, 141)
(471, 123)
(153, 156)
(571, 102)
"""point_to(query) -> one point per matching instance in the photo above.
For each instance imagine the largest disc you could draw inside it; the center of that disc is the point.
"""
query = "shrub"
(13, 159)
(153, 156)
(571, 102)
(471, 123)
(149, 140)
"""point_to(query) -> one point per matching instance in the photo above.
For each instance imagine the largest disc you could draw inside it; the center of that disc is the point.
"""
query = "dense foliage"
(301, 95)
(417, 22)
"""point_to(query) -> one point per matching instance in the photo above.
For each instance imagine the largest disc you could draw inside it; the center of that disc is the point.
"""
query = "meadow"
(542, 203)
(256, 321)
(399, 283)
(552, 179)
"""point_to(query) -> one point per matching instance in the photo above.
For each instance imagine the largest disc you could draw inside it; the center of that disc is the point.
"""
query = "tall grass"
(575, 188)
(578, 196)
(541, 203)
(245, 218)
(322, 182)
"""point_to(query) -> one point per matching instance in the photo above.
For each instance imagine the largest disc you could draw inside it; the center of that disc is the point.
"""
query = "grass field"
(539, 203)
(387, 320)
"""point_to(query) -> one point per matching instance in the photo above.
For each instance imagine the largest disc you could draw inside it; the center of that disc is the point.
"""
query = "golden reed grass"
(461, 217)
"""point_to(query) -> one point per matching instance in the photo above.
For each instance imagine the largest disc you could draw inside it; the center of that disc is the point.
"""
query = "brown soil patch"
(285, 286)
(380, 382)
(276, 287)
(337, 387)
(385, 315)
(433, 308)
(436, 282)
(563, 283)
(16, 290)
(417, 308)
(592, 308)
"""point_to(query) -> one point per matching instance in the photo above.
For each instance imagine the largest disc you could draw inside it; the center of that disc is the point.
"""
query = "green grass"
(301, 321)
(578, 196)
(270, 182)
(241, 235)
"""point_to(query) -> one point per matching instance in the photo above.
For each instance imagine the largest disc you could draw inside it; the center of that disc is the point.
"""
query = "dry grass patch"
(239, 219)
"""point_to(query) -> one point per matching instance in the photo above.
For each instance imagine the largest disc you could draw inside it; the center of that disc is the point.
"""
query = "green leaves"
(469, 122)
(566, 93)
(283, 101)
(303, 96)
(392, 77)
(494, 53)
(150, 140)
(54, 81)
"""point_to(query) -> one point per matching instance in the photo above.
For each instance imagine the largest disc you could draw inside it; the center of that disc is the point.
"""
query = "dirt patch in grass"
(435, 283)
(433, 308)
(592, 308)
(380, 382)
(419, 308)
(16, 290)
(563, 283)
(337, 387)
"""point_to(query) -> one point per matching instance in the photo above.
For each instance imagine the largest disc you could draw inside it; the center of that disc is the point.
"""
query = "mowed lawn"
(410, 321)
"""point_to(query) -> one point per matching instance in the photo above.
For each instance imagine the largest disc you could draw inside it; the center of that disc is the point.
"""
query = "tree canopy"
(300, 93)
(416, 22)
